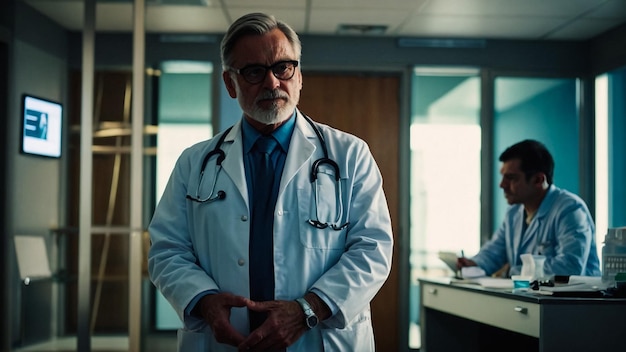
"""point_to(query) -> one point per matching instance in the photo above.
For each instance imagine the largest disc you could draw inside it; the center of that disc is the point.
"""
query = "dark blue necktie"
(261, 231)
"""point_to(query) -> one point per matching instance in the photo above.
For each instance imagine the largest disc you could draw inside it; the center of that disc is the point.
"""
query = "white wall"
(36, 195)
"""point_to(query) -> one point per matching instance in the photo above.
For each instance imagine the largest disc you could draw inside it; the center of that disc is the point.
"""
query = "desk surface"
(470, 317)
(529, 296)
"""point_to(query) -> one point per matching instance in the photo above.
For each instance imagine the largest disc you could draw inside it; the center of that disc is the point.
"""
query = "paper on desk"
(476, 275)
(495, 282)
(578, 283)
(486, 282)
(471, 272)
(450, 259)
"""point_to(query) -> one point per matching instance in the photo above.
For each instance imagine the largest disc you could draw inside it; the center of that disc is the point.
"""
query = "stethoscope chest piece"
(217, 151)
(324, 162)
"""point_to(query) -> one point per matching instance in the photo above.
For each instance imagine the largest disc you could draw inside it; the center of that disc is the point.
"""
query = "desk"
(468, 317)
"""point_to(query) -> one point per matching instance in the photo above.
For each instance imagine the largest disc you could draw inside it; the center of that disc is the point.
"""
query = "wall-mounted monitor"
(42, 126)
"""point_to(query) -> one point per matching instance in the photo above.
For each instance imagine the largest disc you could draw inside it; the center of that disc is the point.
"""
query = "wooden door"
(368, 107)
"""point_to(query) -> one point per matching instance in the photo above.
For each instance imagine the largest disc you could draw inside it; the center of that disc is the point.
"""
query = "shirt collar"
(282, 134)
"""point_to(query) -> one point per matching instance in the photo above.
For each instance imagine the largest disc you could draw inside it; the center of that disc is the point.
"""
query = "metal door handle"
(522, 310)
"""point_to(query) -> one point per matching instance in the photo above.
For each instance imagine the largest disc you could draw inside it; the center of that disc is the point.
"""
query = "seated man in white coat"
(275, 234)
(542, 219)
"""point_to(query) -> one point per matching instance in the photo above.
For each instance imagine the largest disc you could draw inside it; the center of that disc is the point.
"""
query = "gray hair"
(255, 24)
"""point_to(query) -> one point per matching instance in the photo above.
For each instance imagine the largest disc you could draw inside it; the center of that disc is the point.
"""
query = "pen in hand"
(464, 261)
(460, 264)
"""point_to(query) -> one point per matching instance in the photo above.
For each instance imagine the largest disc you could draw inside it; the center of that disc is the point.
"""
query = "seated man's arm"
(574, 233)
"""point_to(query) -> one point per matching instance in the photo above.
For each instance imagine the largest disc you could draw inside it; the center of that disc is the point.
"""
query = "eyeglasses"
(255, 74)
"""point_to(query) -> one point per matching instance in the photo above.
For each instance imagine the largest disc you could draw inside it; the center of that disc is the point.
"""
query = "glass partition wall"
(449, 152)
(610, 170)
(545, 109)
(182, 92)
(445, 149)
(184, 115)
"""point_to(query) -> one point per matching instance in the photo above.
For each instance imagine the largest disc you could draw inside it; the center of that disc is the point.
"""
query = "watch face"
(311, 321)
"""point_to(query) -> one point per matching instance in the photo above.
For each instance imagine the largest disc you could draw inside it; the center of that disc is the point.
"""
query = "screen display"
(42, 122)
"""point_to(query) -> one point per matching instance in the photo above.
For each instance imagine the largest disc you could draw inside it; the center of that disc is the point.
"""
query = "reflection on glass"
(602, 161)
(545, 109)
(445, 174)
(184, 111)
(610, 144)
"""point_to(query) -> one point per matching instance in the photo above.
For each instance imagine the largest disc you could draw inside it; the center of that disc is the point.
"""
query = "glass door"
(445, 140)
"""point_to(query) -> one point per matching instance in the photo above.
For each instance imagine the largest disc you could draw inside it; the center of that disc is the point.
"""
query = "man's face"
(518, 190)
(271, 101)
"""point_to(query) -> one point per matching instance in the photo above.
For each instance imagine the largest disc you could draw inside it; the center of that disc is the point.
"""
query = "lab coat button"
(280, 213)
(244, 218)
(241, 262)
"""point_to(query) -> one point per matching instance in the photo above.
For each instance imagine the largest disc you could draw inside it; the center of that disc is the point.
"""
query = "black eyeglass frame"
(273, 67)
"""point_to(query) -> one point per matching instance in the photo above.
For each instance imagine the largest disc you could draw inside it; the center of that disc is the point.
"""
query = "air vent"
(187, 38)
(361, 29)
(167, 2)
(441, 43)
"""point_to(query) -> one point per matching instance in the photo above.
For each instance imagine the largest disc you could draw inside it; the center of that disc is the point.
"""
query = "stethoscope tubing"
(220, 195)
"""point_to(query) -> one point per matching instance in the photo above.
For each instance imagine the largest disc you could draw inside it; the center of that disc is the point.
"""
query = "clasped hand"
(283, 326)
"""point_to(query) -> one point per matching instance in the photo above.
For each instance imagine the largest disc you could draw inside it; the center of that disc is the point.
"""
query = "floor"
(162, 342)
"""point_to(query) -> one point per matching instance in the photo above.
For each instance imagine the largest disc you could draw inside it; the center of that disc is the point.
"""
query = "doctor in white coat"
(331, 241)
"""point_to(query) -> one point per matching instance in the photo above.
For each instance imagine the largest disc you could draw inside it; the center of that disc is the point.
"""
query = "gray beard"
(270, 117)
(273, 115)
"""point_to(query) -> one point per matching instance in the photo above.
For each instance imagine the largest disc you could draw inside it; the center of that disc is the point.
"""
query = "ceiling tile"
(180, 19)
(366, 4)
(540, 8)
(477, 27)
(584, 29)
(116, 17)
(504, 19)
(610, 9)
(266, 3)
(327, 21)
(68, 14)
(296, 19)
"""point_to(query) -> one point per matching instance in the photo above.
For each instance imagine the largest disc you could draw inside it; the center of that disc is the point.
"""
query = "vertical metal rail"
(136, 181)
(83, 340)
(113, 191)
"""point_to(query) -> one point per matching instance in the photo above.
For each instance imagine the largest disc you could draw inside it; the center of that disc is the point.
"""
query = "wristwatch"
(311, 319)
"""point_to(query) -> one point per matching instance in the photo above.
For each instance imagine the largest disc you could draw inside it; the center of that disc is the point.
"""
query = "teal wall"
(550, 117)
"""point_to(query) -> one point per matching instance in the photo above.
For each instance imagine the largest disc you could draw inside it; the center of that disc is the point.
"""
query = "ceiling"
(484, 19)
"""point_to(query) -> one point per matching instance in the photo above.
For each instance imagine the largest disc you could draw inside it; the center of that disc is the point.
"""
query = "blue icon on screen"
(36, 124)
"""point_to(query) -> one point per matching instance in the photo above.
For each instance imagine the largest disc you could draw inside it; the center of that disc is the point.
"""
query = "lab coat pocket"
(546, 248)
(323, 203)
(357, 336)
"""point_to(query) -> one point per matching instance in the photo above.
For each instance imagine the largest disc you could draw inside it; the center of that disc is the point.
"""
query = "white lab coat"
(204, 246)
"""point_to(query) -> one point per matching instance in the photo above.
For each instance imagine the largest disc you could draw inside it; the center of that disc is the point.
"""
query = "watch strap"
(311, 319)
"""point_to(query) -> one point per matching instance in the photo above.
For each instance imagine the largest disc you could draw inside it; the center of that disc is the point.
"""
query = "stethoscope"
(217, 151)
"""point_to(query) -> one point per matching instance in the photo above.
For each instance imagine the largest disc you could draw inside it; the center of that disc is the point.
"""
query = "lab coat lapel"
(518, 236)
(533, 236)
(544, 208)
(232, 164)
(529, 237)
(301, 148)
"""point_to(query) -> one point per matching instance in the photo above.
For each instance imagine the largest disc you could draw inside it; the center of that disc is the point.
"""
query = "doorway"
(367, 106)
